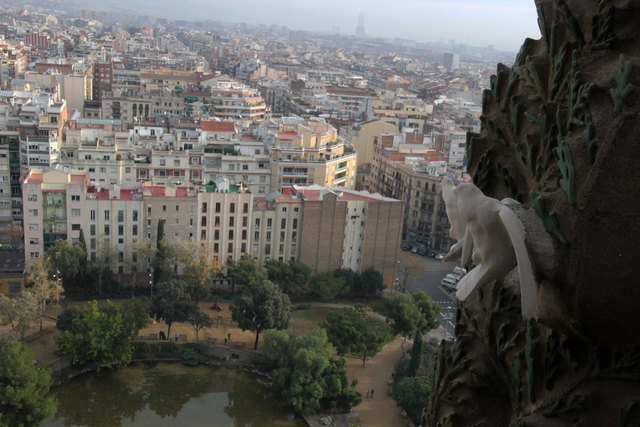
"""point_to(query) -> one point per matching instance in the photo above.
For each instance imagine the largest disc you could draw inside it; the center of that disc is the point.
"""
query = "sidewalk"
(381, 410)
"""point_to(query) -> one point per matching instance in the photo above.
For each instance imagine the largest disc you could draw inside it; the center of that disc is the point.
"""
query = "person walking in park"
(229, 336)
(372, 393)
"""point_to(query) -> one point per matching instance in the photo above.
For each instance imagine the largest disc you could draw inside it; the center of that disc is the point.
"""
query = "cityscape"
(262, 212)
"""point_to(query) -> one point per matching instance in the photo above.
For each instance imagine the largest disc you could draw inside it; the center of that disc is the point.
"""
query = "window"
(245, 221)
(34, 241)
(268, 236)
(295, 209)
(257, 222)
(256, 235)
(34, 254)
(75, 227)
(284, 209)
(164, 208)
(203, 235)
(15, 287)
(92, 229)
(232, 207)
(230, 234)
(135, 215)
(217, 223)
(177, 208)
(106, 230)
(282, 236)
(75, 212)
(268, 222)
(33, 212)
(120, 230)
(267, 249)
(134, 231)
(231, 221)
(75, 198)
(295, 223)
(103, 170)
(203, 221)
(33, 227)
(283, 223)
(216, 234)
(244, 234)
(163, 162)
(281, 249)
(216, 247)
(263, 178)
(32, 197)
(120, 216)
(204, 208)
(176, 163)
(106, 215)
(245, 208)
(230, 248)
(294, 234)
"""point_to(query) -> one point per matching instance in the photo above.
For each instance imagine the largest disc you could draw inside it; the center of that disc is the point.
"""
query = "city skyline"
(502, 24)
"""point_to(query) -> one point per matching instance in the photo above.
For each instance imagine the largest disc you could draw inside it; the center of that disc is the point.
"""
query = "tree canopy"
(292, 277)
(261, 306)
(306, 375)
(244, 271)
(172, 303)
(66, 258)
(44, 288)
(24, 387)
(20, 312)
(198, 271)
(327, 286)
(409, 313)
(103, 336)
(349, 331)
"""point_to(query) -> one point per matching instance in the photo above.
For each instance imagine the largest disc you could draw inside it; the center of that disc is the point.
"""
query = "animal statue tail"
(528, 284)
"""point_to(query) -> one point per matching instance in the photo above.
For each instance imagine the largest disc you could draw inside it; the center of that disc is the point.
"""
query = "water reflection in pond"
(169, 394)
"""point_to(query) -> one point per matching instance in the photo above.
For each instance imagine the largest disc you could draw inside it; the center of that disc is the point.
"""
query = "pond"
(169, 394)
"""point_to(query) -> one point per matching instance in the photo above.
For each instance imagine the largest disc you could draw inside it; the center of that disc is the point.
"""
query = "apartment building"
(306, 152)
(276, 228)
(41, 124)
(6, 212)
(54, 204)
(234, 101)
(114, 223)
(363, 135)
(224, 222)
(402, 111)
(343, 228)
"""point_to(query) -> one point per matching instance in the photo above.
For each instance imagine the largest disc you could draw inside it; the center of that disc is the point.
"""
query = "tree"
(404, 313)
(349, 332)
(292, 277)
(408, 268)
(412, 393)
(163, 259)
(172, 303)
(65, 319)
(416, 354)
(43, 287)
(102, 264)
(410, 313)
(200, 320)
(244, 271)
(24, 387)
(20, 312)
(198, 270)
(103, 337)
(141, 253)
(371, 283)
(65, 258)
(327, 286)
(305, 373)
(429, 310)
(261, 306)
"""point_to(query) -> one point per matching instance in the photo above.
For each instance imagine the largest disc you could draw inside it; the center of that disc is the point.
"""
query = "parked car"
(414, 250)
(422, 251)
(439, 256)
(459, 271)
(405, 247)
(449, 282)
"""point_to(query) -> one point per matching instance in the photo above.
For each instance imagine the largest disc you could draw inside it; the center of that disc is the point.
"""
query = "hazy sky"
(502, 23)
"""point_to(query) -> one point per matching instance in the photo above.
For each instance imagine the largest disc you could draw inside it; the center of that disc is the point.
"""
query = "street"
(433, 271)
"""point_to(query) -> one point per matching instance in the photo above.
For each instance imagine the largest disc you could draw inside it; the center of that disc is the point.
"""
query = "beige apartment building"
(276, 228)
(343, 228)
(224, 223)
(310, 153)
(54, 204)
(363, 135)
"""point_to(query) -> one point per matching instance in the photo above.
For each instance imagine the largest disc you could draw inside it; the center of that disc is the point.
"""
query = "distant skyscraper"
(360, 27)
(451, 61)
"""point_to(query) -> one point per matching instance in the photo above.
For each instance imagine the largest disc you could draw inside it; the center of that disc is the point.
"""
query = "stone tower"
(559, 133)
